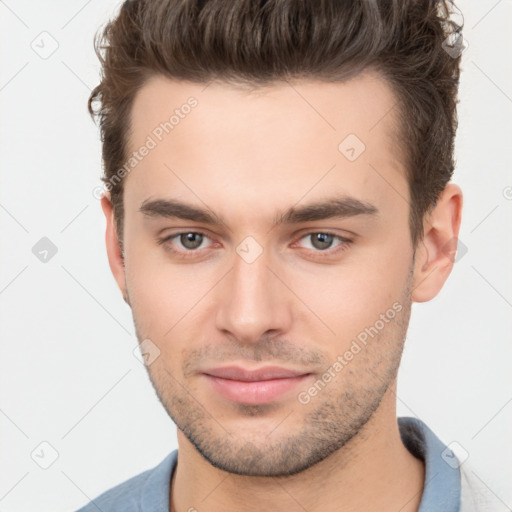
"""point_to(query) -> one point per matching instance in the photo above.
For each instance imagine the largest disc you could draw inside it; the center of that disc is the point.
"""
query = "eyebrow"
(342, 207)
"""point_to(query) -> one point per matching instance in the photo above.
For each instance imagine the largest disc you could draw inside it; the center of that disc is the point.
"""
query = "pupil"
(191, 240)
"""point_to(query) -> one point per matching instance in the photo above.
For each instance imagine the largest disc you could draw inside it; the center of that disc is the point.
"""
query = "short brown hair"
(259, 42)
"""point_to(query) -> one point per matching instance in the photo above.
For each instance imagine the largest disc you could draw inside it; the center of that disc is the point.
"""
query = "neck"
(374, 471)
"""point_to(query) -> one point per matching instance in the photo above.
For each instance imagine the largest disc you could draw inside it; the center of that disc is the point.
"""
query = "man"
(277, 195)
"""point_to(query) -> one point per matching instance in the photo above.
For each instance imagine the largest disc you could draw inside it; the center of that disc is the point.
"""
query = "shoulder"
(476, 496)
(148, 491)
(447, 472)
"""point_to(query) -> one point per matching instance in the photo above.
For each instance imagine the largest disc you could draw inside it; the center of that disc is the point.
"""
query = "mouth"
(254, 387)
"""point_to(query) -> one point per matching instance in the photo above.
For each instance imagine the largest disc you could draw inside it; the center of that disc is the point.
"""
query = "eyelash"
(190, 253)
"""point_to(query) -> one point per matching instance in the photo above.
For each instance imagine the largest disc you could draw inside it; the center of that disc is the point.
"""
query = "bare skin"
(280, 298)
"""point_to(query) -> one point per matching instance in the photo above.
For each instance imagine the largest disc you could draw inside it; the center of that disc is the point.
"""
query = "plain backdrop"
(73, 395)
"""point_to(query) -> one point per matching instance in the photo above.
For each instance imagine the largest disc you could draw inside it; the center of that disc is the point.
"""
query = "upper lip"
(243, 374)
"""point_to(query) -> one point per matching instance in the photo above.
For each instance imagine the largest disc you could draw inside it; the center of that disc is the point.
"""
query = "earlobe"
(114, 251)
(435, 253)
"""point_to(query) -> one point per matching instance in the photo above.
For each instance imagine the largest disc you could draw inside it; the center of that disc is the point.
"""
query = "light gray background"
(68, 374)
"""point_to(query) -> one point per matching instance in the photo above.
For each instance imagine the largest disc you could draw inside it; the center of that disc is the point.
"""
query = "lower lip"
(254, 393)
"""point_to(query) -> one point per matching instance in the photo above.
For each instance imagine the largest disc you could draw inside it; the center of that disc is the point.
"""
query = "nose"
(253, 302)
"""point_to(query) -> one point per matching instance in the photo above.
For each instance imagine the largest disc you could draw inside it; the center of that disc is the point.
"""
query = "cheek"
(158, 293)
(168, 300)
(351, 297)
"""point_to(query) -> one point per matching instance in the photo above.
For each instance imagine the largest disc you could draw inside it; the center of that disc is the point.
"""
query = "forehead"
(274, 142)
(363, 104)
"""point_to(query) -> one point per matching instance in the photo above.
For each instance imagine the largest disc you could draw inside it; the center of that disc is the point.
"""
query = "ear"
(115, 255)
(435, 254)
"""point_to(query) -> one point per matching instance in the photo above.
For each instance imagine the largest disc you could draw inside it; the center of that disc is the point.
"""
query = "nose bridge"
(252, 302)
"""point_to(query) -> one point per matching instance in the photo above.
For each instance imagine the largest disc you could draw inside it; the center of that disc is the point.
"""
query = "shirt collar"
(442, 475)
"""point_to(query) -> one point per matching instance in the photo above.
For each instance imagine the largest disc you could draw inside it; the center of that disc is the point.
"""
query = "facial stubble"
(307, 434)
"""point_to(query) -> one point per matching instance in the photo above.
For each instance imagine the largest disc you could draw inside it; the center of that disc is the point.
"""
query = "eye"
(323, 241)
(187, 242)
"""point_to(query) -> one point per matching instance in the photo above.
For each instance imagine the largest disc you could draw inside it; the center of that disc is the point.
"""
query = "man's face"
(264, 286)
